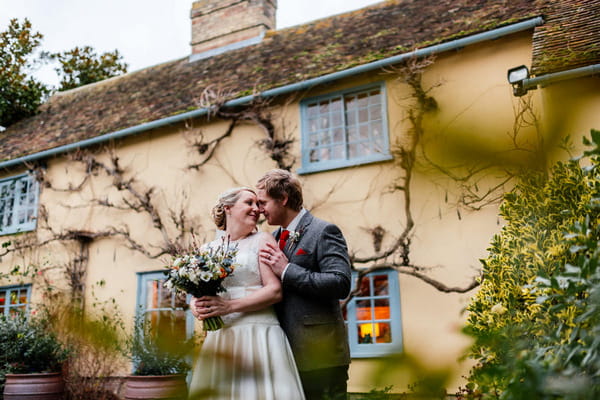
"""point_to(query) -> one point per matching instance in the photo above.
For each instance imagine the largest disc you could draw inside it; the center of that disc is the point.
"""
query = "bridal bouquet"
(200, 272)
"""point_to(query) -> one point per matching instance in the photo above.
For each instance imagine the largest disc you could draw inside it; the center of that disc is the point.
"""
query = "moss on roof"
(285, 56)
(569, 38)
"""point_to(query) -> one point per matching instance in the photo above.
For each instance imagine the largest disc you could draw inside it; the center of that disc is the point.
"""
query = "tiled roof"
(569, 37)
(286, 56)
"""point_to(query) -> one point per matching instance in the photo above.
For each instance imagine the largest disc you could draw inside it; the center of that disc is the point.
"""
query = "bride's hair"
(227, 198)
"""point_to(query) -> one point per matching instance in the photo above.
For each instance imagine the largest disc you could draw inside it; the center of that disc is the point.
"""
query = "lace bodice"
(244, 280)
(246, 273)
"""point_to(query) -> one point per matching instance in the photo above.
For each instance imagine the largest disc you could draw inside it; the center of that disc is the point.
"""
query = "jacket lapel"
(291, 244)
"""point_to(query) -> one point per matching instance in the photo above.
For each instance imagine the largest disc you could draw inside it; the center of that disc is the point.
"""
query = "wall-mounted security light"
(516, 76)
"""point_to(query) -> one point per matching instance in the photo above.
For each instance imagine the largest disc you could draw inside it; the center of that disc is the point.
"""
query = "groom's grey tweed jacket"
(317, 278)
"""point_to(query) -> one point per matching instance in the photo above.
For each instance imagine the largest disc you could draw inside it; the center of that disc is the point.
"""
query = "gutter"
(298, 86)
(544, 80)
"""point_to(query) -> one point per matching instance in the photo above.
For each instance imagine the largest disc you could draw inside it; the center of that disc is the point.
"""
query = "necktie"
(283, 238)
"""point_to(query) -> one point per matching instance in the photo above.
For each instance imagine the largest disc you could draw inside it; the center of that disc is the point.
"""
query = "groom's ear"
(284, 200)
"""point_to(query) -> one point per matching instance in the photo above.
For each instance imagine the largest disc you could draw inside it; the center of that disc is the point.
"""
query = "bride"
(250, 357)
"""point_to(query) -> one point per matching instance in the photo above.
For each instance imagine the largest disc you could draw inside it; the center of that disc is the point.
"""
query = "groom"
(312, 263)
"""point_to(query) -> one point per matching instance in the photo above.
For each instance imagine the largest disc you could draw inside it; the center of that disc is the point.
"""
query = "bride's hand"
(209, 306)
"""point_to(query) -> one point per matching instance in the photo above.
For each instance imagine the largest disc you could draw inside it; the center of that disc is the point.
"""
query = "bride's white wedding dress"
(250, 357)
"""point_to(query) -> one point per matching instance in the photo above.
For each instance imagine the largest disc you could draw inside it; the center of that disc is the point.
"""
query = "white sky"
(146, 32)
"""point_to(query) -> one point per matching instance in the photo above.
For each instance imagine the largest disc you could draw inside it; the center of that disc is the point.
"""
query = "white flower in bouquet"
(201, 273)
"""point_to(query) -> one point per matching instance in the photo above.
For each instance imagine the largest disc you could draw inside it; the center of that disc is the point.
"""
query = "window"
(166, 311)
(373, 316)
(344, 129)
(18, 204)
(14, 299)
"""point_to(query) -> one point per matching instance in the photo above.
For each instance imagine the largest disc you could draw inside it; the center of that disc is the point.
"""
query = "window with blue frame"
(14, 299)
(166, 311)
(18, 204)
(373, 316)
(344, 129)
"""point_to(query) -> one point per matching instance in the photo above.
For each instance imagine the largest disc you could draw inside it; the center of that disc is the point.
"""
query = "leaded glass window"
(18, 204)
(343, 129)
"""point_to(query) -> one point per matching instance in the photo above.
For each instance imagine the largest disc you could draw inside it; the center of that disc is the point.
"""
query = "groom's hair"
(279, 182)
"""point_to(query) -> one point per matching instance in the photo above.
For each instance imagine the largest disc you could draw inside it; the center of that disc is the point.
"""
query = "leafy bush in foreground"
(536, 317)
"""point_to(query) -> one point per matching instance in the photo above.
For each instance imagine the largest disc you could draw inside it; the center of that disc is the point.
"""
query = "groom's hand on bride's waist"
(274, 258)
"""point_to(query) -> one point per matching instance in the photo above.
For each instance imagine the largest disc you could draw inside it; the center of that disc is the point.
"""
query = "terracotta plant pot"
(172, 387)
(50, 386)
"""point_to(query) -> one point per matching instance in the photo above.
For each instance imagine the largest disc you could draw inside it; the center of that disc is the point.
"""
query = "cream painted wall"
(476, 113)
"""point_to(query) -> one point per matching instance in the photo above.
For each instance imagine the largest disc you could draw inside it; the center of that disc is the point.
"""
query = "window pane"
(364, 149)
(363, 115)
(324, 122)
(350, 102)
(336, 105)
(363, 100)
(365, 289)
(313, 125)
(323, 107)
(351, 118)
(338, 135)
(382, 309)
(383, 333)
(165, 296)
(337, 152)
(13, 297)
(365, 333)
(313, 156)
(380, 285)
(151, 294)
(363, 310)
(170, 324)
(353, 150)
(364, 132)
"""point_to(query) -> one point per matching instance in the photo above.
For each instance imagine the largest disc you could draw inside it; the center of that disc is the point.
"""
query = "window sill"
(333, 165)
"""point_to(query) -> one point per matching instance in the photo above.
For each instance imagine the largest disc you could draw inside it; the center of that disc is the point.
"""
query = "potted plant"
(31, 358)
(159, 363)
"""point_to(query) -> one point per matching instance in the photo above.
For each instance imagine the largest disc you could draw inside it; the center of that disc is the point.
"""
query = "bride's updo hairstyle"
(279, 182)
(228, 198)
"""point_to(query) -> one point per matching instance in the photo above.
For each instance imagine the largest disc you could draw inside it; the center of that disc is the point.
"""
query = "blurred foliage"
(21, 93)
(535, 319)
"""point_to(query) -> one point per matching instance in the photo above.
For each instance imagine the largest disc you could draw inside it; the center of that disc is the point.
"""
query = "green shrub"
(28, 346)
(157, 352)
(535, 318)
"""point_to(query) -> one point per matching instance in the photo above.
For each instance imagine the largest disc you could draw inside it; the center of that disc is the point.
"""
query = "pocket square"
(301, 252)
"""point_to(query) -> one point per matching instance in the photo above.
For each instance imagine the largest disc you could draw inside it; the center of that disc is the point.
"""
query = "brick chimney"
(222, 25)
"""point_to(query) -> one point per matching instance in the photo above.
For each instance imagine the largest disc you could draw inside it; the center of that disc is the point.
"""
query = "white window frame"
(332, 133)
(367, 350)
(13, 290)
(19, 197)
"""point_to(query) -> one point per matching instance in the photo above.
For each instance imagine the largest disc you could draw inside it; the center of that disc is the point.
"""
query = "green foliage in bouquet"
(157, 350)
(200, 272)
(29, 346)
(536, 318)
